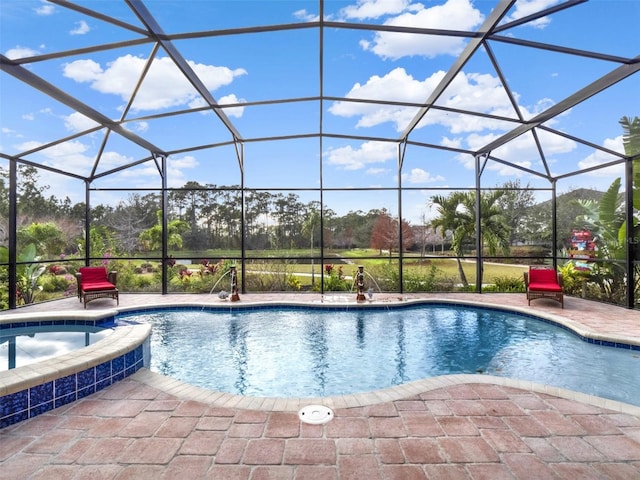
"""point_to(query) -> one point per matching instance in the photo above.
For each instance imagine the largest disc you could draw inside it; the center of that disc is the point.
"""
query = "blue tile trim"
(39, 399)
(107, 322)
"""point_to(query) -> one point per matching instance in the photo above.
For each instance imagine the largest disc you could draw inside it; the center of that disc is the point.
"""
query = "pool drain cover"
(315, 414)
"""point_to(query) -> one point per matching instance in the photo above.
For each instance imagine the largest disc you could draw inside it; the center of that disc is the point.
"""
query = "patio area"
(454, 427)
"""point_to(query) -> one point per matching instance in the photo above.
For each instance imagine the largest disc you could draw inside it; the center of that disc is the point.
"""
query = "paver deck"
(456, 427)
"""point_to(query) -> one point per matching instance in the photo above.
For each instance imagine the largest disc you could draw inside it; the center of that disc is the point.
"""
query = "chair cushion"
(95, 286)
(545, 280)
(545, 287)
(93, 274)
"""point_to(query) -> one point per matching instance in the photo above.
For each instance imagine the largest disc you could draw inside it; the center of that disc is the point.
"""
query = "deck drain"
(315, 414)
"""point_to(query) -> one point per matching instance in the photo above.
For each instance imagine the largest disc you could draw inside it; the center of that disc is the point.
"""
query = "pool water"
(311, 353)
(26, 345)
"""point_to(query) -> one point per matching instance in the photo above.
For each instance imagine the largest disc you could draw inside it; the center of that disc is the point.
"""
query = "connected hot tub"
(35, 388)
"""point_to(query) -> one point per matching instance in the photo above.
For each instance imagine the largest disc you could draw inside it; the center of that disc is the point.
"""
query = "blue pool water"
(314, 352)
(23, 345)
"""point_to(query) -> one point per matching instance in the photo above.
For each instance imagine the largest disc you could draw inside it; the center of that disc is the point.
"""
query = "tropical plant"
(28, 272)
(458, 213)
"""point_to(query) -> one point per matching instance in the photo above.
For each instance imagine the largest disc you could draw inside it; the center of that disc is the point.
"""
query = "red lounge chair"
(95, 282)
(543, 282)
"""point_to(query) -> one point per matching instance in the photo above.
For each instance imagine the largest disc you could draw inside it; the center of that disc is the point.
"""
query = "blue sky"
(277, 65)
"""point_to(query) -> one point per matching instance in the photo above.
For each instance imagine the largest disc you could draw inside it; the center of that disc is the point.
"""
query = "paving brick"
(505, 441)
(387, 427)
(147, 450)
(213, 423)
(381, 410)
(527, 467)
(273, 473)
(354, 446)
(227, 472)
(466, 407)
(348, 427)
(439, 407)
(575, 449)
(421, 450)
(501, 408)
(467, 450)
(250, 416)
(282, 425)
(205, 442)
(526, 426)
(544, 450)
(267, 451)
(107, 427)
(22, 465)
(246, 430)
(389, 450)
(617, 471)
(488, 391)
(403, 472)
(185, 467)
(596, 424)
(484, 423)
(95, 472)
(358, 467)
(419, 424)
(558, 424)
(489, 471)
(136, 472)
(106, 450)
(310, 452)
(316, 472)
(177, 427)
(616, 447)
(446, 472)
(403, 405)
(190, 408)
(456, 426)
(576, 470)
(51, 442)
(462, 392)
(144, 425)
(231, 450)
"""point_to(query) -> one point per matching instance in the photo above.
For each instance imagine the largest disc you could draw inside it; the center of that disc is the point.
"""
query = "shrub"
(506, 285)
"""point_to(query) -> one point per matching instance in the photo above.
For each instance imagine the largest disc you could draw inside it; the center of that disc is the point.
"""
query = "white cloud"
(453, 15)
(418, 175)
(76, 122)
(348, 158)
(231, 100)
(44, 9)
(20, 52)
(305, 16)
(524, 8)
(81, 28)
(365, 9)
(146, 175)
(163, 87)
(481, 93)
(599, 157)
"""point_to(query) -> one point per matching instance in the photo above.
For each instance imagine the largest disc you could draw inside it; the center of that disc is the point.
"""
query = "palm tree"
(311, 223)
(449, 220)
(458, 213)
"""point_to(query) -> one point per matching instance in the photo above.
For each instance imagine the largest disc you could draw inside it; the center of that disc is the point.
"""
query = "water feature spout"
(360, 284)
(234, 284)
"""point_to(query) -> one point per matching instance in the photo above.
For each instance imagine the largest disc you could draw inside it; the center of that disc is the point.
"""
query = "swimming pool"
(307, 352)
